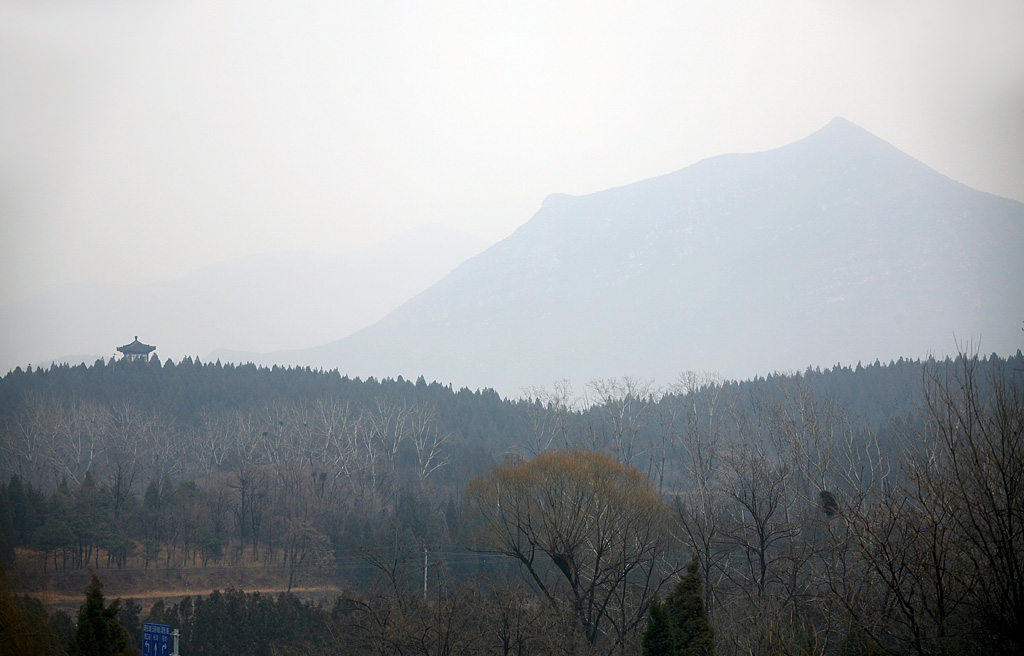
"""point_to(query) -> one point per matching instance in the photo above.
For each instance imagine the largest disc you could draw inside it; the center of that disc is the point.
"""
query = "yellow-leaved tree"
(592, 535)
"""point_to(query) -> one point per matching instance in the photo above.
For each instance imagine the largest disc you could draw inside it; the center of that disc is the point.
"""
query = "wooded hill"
(340, 482)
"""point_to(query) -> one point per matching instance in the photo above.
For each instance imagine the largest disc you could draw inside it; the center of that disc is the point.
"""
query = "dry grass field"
(65, 589)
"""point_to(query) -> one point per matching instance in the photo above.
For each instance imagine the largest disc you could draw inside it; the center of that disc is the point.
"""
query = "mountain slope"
(838, 247)
(257, 303)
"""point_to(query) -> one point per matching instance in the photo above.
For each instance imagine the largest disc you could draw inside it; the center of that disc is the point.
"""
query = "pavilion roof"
(136, 348)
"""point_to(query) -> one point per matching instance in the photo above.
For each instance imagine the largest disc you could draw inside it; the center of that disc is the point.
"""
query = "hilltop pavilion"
(136, 350)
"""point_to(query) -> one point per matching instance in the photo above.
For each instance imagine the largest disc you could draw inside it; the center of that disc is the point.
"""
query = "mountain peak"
(835, 248)
(840, 126)
(840, 123)
(839, 133)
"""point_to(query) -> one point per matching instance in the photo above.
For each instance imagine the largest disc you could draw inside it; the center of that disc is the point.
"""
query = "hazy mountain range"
(836, 248)
(257, 303)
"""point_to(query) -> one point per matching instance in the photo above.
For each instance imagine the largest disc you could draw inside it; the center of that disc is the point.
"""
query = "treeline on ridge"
(343, 482)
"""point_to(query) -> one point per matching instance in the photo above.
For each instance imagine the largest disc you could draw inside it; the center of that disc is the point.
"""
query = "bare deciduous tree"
(621, 405)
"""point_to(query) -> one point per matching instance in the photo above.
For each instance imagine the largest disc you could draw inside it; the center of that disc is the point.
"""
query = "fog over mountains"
(836, 248)
(257, 303)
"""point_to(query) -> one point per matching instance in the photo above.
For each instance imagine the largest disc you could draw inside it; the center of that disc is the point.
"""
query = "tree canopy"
(591, 532)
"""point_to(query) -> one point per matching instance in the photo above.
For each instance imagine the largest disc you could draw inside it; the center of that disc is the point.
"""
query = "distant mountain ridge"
(256, 303)
(836, 248)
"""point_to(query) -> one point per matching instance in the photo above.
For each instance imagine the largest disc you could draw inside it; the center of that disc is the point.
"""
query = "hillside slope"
(836, 248)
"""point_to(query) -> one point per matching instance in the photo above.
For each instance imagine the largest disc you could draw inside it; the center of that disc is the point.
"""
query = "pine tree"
(657, 639)
(687, 616)
(99, 633)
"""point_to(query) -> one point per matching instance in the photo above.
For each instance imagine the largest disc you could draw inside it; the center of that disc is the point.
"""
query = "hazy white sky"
(140, 140)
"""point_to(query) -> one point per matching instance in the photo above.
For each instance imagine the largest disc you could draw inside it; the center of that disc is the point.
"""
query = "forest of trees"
(866, 510)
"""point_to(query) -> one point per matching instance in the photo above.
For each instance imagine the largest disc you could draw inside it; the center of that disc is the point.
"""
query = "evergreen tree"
(99, 633)
(657, 639)
(689, 619)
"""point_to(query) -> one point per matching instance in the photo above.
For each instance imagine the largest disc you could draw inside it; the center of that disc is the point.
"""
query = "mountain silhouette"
(835, 248)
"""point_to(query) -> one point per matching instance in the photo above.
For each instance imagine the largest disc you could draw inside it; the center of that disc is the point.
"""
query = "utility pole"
(424, 574)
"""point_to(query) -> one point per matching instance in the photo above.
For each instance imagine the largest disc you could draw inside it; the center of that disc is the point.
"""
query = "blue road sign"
(156, 639)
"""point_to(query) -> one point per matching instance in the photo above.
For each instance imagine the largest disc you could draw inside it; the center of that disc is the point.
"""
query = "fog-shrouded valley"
(769, 403)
